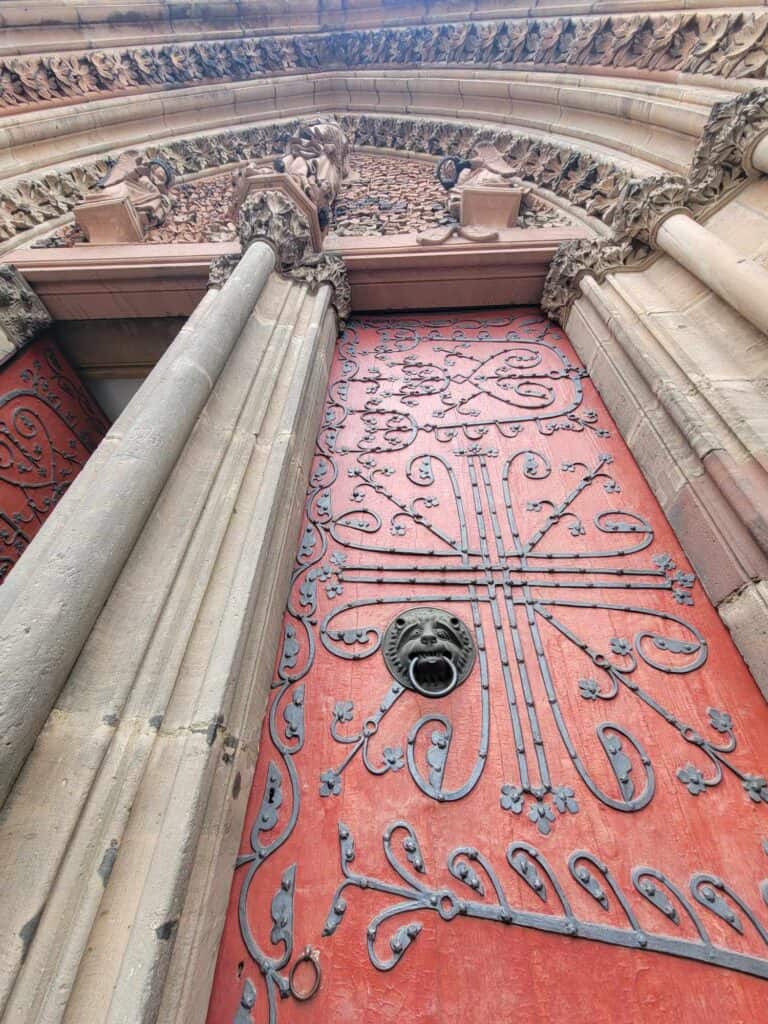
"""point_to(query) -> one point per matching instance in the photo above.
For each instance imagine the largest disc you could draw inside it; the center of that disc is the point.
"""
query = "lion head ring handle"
(435, 666)
(428, 650)
(309, 956)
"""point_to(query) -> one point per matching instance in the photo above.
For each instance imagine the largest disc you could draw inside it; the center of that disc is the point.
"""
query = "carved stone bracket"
(575, 259)
(313, 270)
(326, 268)
(22, 315)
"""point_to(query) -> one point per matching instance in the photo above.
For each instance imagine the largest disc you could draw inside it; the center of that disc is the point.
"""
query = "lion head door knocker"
(429, 651)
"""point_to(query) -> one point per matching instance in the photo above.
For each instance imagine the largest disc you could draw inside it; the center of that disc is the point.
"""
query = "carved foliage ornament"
(579, 177)
(22, 314)
(575, 259)
(722, 155)
(730, 45)
(272, 217)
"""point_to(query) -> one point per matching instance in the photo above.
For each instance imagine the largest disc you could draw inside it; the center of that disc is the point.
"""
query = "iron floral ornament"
(435, 485)
(507, 567)
(483, 896)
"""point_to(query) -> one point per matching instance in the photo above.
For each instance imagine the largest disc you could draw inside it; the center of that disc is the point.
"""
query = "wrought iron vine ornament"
(472, 869)
(505, 570)
(511, 574)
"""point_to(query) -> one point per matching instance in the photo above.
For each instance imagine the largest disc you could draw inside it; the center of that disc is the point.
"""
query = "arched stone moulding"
(729, 45)
(587, 174)
(641, 124)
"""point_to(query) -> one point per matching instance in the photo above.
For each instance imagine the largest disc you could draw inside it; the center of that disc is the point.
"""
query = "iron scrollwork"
(507, 567)
(435, 451)
(486, 899)
(48, 428)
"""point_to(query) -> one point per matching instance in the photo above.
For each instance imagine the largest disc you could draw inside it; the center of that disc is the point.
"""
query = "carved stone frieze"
(384, 196)
(22, 315)
(388, 195)
(578, 257)
(732, 44)
(577, 176)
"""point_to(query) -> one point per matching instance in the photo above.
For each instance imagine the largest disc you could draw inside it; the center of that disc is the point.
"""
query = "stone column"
(740, 282)
(759, 155)
(50, 603)
(654, 212)
(139, 643)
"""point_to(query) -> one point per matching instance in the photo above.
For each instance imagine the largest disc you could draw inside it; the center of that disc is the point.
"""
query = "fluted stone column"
(138, 640)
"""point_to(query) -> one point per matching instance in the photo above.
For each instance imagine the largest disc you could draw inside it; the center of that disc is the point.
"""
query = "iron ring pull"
(312, 956)
(435, 693)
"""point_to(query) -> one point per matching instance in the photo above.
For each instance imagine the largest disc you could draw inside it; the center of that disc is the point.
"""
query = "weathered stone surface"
(587, 181)
(22, 315)
(162, 709)
(272, 216)
(318, 269)
(50, 602)
(573, 261)
(746, 616)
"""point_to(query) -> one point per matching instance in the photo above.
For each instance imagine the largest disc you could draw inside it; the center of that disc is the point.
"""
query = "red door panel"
(575, 832)
(49, 425)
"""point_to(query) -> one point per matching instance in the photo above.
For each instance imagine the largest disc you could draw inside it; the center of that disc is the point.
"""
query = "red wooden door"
(576, 832)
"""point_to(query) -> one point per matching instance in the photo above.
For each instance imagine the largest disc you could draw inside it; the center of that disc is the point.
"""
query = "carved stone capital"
(323, 268)
(645, 203)
(572, 261)
(22, 314)
(272, 216)
(276, 210)
(220, 269)
(724, 152)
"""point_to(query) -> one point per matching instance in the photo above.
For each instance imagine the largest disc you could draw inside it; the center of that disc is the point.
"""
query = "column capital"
(22, 315)
(645, 203)
(724, 153)
(573, 261)
(281, 215)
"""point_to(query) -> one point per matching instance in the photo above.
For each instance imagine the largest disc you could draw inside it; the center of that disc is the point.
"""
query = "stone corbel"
(22, 315)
